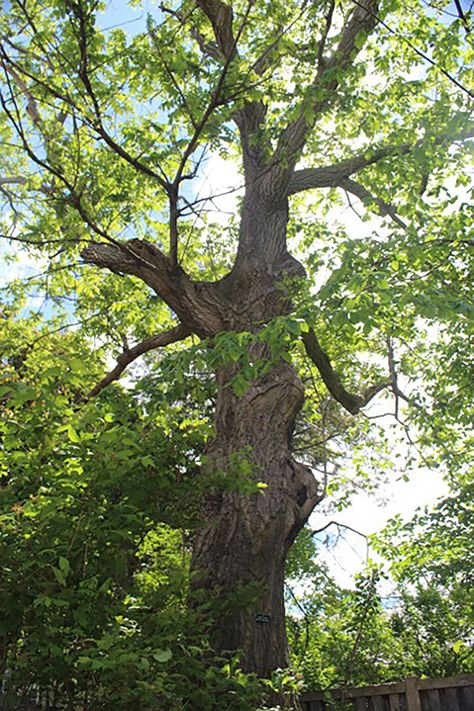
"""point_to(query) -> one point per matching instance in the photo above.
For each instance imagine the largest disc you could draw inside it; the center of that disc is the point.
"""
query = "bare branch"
(99, 127)
(324, 37)
(316, 531)
(462, 16)
(129, 355)
(207, 48)
(214, 101)
(351, 402)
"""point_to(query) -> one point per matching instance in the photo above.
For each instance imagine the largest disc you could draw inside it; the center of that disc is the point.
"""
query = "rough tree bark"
(243, 545)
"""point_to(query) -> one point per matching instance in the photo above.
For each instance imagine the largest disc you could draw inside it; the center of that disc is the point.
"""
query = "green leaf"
(59, 575)
(73, 436)
(65, 566)
(162, 655)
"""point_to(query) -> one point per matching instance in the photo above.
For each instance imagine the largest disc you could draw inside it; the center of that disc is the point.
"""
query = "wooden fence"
(455, 693)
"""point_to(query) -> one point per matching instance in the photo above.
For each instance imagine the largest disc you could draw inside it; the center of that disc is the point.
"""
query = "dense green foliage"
(97, 504)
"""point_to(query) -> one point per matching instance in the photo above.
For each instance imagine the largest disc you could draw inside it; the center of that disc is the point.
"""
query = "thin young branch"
(129, 355)
(99, 127)
(73, 199)
(351, 402)
(316, 531)
(417, 51)
(462, 16)
(367, 198)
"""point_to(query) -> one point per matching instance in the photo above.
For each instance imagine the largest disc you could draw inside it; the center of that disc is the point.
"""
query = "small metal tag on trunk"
(263, 618)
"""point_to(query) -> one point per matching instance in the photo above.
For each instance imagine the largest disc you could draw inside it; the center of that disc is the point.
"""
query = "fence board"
(411, 692)
(451, 699)
(434, 702)
(378, 703)
(448, 694)
(444, 683)
(467, 696)
(394, 702)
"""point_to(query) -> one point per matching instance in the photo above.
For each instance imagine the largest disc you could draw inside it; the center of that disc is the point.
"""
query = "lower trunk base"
(239, 554)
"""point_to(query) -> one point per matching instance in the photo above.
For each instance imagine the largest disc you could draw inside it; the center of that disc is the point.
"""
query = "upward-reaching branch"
(361, 21)
(221, 17)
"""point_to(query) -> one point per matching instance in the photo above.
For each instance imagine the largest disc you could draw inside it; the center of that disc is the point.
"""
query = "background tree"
(105, 140)
(414, 619)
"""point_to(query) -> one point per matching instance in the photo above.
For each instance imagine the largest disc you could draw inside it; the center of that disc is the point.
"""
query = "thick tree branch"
(330, 176)
(12, 180)
(131, 354)
(197, 304)
(194, 303)
(351, 402)
(361, 21)
(209, 49)
(337, 175)
(221, 17)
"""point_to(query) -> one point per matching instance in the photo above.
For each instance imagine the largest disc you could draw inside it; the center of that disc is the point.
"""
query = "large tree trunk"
(239, 554)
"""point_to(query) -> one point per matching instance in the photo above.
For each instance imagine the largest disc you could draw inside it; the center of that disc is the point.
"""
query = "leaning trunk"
(239, 554)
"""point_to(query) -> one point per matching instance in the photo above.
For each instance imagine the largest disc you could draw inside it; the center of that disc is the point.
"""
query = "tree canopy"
(152, 517)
